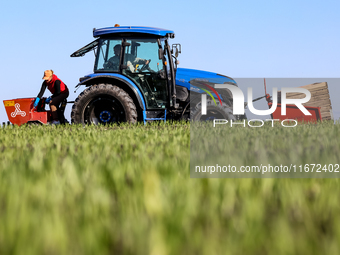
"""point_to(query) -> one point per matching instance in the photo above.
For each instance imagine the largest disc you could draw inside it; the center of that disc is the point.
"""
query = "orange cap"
(47, 75)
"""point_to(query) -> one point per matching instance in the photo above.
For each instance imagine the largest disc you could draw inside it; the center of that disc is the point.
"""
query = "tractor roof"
(133, 29)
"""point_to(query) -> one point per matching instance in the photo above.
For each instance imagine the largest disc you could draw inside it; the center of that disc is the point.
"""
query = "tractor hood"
(184, 76)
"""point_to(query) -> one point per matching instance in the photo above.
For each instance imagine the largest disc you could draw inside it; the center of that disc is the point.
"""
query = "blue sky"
(241, 39)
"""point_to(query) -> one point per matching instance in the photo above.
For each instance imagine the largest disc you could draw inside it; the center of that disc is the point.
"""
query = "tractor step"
(153, 115)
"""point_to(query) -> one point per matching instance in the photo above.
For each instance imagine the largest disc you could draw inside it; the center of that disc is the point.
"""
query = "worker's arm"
(42, 90)
(41, 93)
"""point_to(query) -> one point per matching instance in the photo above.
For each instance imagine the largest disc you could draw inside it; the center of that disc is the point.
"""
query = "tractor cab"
(140, 54)
(139, 60)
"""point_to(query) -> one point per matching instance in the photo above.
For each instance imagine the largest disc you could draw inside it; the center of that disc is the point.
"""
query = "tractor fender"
(122, 80)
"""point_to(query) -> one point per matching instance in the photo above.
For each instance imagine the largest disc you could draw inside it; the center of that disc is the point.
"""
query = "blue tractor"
(136, 78)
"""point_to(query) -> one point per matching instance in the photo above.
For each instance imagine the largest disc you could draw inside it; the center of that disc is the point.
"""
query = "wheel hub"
(105, 116)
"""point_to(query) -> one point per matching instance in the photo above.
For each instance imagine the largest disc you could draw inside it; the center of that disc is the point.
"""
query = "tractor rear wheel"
(103, 104)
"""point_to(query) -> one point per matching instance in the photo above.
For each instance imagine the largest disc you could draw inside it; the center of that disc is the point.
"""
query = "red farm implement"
(319, 105)
(21, 111)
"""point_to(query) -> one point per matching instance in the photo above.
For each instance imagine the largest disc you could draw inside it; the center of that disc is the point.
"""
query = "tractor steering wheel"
(146, 67)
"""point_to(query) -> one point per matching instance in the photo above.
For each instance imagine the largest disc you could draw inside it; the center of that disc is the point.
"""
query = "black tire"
(213, 112)
(103, 104)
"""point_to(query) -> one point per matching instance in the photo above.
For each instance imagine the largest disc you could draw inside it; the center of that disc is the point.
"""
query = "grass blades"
(127, 190)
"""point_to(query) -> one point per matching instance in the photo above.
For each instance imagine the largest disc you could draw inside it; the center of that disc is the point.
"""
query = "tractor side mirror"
(177, 48)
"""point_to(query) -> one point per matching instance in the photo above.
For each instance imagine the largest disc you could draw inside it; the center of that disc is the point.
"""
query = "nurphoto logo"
(239, 103)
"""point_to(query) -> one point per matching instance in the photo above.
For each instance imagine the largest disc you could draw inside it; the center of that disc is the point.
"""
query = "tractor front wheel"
(103, 104)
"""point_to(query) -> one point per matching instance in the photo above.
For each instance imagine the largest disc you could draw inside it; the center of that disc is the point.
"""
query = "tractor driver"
(130, 60)
(59, 92)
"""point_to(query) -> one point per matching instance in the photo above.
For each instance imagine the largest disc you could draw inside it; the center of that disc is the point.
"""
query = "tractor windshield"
(140, 55)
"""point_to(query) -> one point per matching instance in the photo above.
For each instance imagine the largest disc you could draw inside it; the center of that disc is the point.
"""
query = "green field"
(127, 190)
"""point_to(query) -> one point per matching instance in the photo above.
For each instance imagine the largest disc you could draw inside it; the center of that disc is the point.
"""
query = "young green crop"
(127, 190)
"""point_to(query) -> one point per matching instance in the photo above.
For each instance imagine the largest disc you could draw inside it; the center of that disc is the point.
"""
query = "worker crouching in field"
(59, 92)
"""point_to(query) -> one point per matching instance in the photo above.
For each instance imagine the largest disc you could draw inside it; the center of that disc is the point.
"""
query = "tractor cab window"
(142, 56)
(108, 55)
(143, 66)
